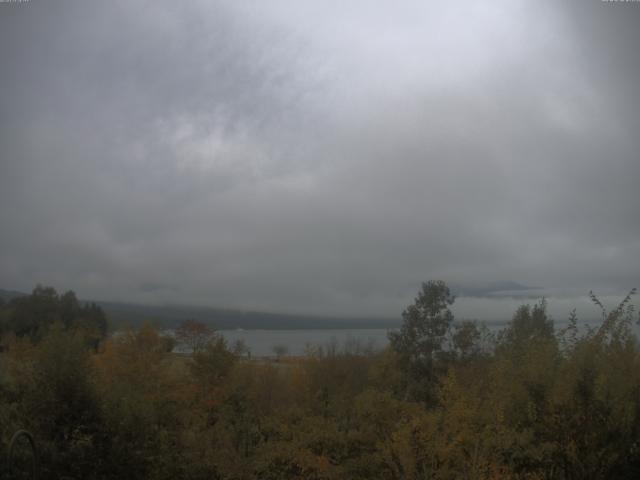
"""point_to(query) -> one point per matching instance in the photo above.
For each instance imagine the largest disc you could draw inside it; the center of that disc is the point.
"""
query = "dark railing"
(35, 461)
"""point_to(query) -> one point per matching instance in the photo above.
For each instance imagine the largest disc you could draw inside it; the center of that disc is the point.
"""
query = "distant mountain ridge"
(9, 294)
(170, 316)
(122, 315)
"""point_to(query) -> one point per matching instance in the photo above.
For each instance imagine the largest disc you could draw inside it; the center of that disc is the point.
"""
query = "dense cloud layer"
(316, 157)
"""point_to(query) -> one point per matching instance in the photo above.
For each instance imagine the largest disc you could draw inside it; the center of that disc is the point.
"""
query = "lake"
(261, 342)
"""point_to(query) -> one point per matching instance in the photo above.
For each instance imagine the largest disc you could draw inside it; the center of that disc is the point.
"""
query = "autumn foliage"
(445, 400)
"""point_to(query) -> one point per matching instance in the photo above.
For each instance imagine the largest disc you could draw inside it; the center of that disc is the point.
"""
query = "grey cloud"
(293, 156)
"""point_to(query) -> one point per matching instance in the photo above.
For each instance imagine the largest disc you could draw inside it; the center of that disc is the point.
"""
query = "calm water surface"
(261, 342)
(296, 342)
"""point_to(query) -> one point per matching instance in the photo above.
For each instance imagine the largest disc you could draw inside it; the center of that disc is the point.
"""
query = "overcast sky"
(320, 156)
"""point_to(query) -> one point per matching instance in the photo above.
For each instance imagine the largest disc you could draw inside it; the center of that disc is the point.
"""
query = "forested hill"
(7, 295)
(124, 314)
(121, 314)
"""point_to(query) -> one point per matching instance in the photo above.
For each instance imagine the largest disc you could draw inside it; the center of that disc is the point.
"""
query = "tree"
(211, 364)
(466, 339)
(279, 351)
(194, 335)
(529, 324)
(240, 348)
(419, 343)
(56, 399)
(34, 315)
(92, 321)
